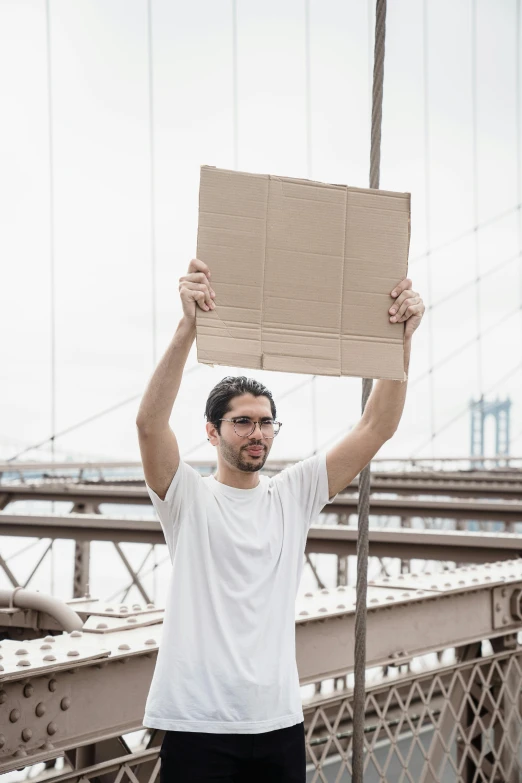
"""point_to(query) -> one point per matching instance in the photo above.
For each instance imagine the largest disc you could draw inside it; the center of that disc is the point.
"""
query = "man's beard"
(235, 459)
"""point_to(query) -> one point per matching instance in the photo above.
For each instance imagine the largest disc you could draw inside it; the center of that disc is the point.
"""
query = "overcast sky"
(102, 199)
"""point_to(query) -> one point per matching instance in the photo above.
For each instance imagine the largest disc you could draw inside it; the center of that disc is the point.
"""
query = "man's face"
(245, 453)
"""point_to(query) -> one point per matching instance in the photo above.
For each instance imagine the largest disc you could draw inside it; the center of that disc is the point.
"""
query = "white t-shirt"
(226, 660)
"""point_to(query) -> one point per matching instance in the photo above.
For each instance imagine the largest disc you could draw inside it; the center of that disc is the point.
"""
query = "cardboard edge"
(299, 181)
(402, 195)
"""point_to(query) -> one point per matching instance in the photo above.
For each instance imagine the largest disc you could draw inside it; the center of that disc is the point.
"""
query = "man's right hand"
(195, 289)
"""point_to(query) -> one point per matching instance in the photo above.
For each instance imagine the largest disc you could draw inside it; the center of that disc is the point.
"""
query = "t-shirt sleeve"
(307, 482)
(182, 491)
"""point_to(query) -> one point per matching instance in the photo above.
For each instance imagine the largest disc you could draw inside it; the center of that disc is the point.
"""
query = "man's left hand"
(408, 306)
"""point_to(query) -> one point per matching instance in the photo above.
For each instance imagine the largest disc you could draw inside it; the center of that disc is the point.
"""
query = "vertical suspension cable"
(427, 219)
(308, 89)
(475, 189)
(152, 187)
(234, 85)
(518, 82)
(51, 233)
(371, 33)
(365, 476)
(308, 92)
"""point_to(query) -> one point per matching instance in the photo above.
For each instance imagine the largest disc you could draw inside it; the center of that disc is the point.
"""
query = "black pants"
(199, 757)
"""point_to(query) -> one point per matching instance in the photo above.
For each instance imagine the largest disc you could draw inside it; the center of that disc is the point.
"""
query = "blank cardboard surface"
(302, 272)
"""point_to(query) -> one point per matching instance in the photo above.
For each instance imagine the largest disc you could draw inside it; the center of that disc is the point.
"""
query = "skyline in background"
(451, 136)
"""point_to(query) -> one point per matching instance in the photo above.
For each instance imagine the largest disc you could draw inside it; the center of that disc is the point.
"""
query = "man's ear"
(212, 433)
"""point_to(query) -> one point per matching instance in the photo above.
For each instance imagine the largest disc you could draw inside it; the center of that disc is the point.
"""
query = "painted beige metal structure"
(455, 546)
(500, 494)
(444, 662)
(75, 694)
(507, 488)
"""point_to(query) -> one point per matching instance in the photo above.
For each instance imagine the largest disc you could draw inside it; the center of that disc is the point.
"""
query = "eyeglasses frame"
(266, 437)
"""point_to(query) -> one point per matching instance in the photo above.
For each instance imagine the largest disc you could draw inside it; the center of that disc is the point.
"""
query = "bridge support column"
(82, 553)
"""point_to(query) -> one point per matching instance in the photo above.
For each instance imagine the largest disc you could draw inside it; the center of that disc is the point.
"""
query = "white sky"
(102, 224)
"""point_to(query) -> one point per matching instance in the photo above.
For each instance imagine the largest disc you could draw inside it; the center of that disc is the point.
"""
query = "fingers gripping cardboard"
(302, 272)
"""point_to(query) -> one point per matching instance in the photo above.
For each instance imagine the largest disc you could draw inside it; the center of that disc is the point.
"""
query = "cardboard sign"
(302, 272)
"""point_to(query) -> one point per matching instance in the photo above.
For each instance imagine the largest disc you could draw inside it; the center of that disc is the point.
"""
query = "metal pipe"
(21, 598)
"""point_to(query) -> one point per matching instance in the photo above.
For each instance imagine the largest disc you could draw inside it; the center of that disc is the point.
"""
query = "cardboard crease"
(301, 293)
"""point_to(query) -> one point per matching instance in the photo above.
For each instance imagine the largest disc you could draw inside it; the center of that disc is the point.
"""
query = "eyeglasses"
(244, 427)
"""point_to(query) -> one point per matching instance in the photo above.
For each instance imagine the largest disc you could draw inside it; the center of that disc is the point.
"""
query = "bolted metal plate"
(97, 606)
(507, 605)
(67, 650)
(341, 600)
(48, 653)
(466, 577)
(107, 623)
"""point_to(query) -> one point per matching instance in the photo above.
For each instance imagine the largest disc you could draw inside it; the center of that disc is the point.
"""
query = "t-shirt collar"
(235, 492)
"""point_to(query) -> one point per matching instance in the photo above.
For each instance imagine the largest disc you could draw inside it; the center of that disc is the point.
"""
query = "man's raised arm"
(385, 405)
(158, 444)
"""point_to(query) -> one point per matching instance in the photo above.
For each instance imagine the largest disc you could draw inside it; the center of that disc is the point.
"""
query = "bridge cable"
(365, 476)
(427, 214)
(51, 225)
(518, 87)
(152, 186)
(308, 82)
(235, 85)
(474, 100)
(83, 422)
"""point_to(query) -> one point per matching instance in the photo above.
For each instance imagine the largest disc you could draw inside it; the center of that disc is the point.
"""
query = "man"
(225, 687)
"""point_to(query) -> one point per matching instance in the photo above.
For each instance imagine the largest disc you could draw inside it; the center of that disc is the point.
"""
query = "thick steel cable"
(364, 481)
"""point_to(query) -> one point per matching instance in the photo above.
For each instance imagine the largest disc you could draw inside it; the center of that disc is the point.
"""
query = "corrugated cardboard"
(302, 272)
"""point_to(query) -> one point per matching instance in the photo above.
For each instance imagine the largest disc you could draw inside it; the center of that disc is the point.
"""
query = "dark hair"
(218, 402)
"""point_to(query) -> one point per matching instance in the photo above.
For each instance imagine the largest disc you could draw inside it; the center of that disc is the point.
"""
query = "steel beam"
(31, 467)
(454, 509)
(412, 543)
(130, 494)
(408, 616)
(69, 690)
(405, 543)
